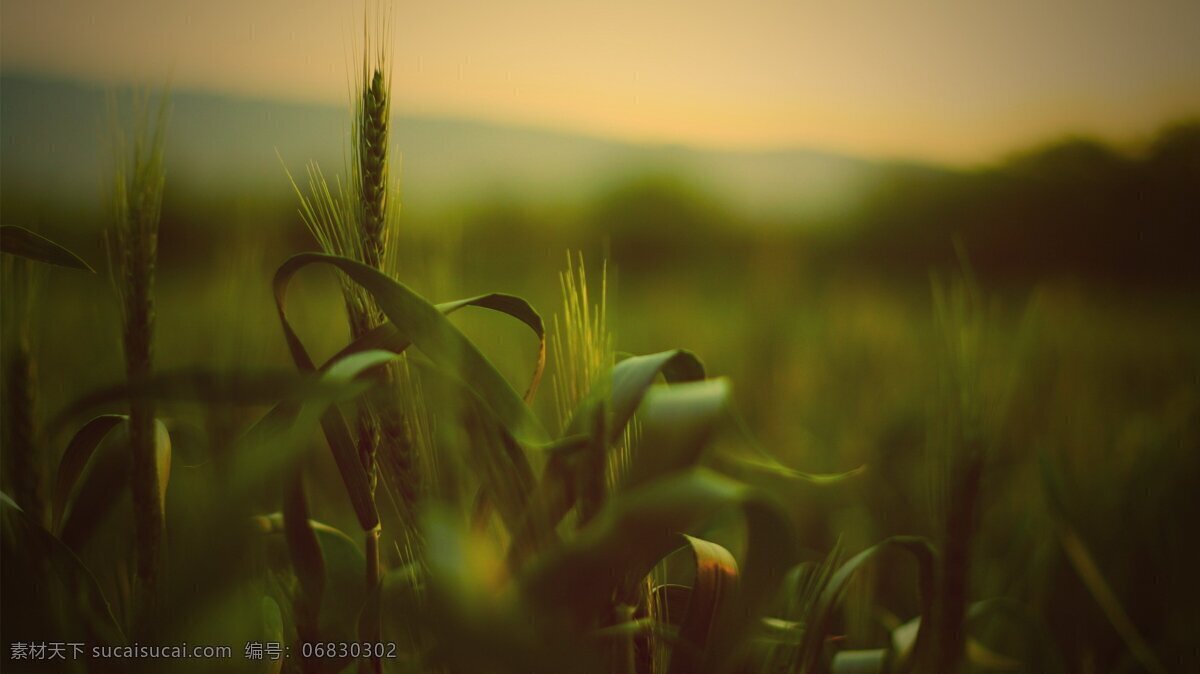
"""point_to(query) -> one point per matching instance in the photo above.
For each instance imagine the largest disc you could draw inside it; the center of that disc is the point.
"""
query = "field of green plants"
(660, 447)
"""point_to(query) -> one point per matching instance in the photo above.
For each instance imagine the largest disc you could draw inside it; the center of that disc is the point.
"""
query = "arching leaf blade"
(425, 326)
(714, 592)
(389, 338)
(76, 456)
(32, 246)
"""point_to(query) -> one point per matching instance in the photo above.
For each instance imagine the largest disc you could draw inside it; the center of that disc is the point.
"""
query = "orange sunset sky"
(954, 81)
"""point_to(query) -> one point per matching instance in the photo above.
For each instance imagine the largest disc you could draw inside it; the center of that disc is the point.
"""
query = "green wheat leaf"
(24, 243)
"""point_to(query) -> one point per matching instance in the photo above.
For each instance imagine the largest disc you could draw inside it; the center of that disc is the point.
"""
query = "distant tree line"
(1077, 207)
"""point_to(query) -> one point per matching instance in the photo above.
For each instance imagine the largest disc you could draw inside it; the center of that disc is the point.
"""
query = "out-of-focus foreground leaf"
(620, 397)
(466, 600)
(204, 386)
(612, 555)
(48, 593)
(677, 423)
(343, 564)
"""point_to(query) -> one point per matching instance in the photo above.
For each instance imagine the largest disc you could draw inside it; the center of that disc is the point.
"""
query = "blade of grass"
(76, 456)
(775, 467)
(764, 462)
(1093, 578)
(24, 243)
(920, 549)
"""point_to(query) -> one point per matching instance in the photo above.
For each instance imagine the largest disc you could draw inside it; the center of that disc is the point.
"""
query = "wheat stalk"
(23, 468)
(359, 221)
(583, 346)
(966, 416)
(132, 243)
(370, 136)
(583, 358)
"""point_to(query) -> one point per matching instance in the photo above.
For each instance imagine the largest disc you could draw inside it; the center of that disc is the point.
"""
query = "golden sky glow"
(947, 80)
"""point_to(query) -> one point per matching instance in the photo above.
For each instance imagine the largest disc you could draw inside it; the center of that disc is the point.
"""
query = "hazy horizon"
(224, 144)
(931, 81)
(1127, 142)
(54, 130)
